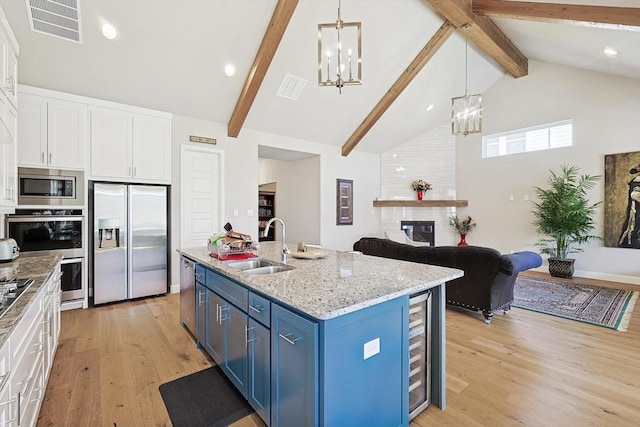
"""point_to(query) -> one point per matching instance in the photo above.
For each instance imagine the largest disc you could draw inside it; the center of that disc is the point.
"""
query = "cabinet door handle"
(217, 313)
(135, 171)
(287, 338)
(3, 382)
(246, 335)
(200, 302)
(222, 319)
(129, 170)
(199, 275)
(258, 309)
(42, 157)
(50, 157)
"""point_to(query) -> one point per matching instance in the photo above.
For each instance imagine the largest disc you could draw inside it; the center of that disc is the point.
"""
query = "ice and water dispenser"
(108, 233)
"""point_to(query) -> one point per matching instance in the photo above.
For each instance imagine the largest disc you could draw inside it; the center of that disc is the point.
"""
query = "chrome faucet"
(285, 249)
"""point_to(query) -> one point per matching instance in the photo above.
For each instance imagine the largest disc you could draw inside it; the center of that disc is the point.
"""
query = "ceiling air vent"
(291, 87)
(57, 18)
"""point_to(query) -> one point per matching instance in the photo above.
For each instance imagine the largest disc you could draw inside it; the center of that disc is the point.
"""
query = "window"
(544, 137)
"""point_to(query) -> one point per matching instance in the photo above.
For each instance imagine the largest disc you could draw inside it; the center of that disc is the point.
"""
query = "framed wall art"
(622, 200)
(344, 202)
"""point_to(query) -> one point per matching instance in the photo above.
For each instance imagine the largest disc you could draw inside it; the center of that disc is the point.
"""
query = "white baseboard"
(608, 277)
(174, 289)
(597, 276)
(71, 305)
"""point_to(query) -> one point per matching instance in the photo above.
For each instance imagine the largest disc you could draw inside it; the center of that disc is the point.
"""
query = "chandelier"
(334, 41)
(466, 111)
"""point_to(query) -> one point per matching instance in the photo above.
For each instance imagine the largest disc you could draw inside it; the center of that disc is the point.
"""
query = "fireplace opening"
(420, 231)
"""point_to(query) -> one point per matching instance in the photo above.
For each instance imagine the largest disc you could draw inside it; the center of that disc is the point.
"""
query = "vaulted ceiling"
(170, 55)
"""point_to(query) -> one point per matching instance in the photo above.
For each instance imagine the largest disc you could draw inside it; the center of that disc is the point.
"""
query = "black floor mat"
(204, 399)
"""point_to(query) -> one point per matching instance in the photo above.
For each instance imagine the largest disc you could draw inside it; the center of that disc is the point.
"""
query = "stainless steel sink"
(269, 269)
(259, 266)
(251, 264)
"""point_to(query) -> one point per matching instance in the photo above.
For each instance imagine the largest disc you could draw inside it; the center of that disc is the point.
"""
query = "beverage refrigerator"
(128, 255)
(419, 353)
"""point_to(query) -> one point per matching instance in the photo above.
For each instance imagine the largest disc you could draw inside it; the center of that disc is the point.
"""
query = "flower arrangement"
(464, 226)
(420, 184)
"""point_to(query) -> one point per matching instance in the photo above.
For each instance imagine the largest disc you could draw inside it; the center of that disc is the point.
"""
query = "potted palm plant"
(564, 215)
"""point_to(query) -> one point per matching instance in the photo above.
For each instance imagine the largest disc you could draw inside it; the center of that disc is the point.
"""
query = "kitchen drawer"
(29, 320)
(233, 292)
(260, 309)
(200, 273)
(5, 366)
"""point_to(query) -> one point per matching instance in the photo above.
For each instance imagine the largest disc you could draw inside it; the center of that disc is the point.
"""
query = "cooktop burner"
(10, 291)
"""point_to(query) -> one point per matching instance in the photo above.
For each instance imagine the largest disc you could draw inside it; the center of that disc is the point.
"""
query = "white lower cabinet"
(27, 355)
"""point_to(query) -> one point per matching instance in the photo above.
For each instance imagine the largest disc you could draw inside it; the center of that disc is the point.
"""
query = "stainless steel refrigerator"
(129, 256)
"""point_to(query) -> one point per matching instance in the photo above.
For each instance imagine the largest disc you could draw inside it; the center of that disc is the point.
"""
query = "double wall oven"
(50, 220)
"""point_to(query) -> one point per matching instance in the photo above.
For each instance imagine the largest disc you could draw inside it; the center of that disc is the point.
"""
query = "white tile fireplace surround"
(430, 157)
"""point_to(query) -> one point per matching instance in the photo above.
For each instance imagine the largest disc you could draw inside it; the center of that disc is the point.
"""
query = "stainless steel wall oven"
(53, 232)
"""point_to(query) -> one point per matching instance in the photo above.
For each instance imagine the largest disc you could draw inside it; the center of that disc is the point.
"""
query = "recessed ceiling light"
(430, 107)
(109, 31)
(610, 52)
(229, 70)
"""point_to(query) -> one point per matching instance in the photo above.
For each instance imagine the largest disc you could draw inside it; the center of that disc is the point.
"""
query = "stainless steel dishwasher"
(188, 294)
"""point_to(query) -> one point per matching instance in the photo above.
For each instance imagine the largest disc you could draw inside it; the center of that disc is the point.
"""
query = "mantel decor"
(420, 186)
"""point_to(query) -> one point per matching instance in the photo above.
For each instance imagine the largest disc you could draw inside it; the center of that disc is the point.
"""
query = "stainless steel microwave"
(50, 187)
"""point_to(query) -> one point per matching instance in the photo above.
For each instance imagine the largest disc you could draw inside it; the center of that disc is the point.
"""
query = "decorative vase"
(463, 241)
(561, 267)
(419, 194)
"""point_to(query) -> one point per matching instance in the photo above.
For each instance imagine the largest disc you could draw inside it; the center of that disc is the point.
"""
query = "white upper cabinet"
(111, 136)
(8, 115)
(53, 132)
(151, 148)
(8, 63)
(130, 146)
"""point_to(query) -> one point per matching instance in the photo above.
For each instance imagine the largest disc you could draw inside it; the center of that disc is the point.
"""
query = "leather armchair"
(489, 276)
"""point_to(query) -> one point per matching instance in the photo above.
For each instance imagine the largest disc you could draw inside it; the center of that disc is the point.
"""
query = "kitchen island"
(325, 342)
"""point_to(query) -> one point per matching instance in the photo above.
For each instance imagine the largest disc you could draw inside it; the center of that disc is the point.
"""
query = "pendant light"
(466, 111)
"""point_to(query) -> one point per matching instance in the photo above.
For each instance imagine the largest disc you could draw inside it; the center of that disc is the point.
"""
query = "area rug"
(606, 307)
(204, 399)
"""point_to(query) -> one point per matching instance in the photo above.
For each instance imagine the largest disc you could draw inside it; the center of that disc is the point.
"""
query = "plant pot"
(561, 267)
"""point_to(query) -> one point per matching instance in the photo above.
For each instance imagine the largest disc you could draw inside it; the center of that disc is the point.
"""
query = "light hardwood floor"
(525, 368)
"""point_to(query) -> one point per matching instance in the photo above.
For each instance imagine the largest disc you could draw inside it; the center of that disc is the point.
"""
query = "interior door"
(202, 194)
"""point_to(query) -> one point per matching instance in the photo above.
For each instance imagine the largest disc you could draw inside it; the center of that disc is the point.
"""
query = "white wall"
(242, 179)
(431, 157)
(297, 196)
(605, 111)
(363, 168)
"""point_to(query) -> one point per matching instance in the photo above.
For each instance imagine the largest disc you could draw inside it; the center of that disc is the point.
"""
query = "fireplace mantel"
(420, 203)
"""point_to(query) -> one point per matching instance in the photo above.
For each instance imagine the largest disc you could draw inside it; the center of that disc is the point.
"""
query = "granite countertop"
(339, 283)
(38, 268)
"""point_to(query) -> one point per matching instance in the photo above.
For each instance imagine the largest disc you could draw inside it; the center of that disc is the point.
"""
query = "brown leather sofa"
(489, 276)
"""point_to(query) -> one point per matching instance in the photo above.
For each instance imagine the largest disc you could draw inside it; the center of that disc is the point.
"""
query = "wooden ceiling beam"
(400, 85)
(608, 17)
(485, 34)
(270, 42)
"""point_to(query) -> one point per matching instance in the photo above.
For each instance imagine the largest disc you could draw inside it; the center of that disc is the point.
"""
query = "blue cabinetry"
(297, 371)
(259, 354)
(201, 308)
(294, 369)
